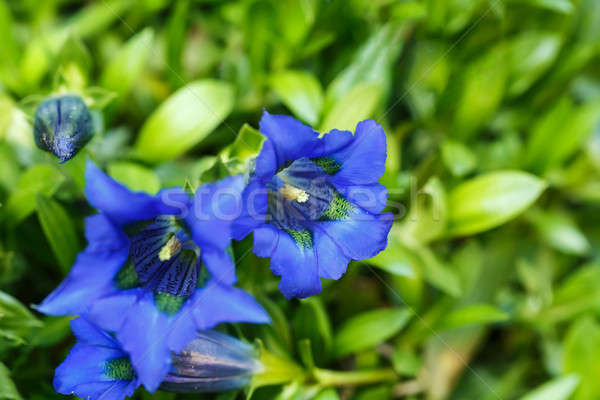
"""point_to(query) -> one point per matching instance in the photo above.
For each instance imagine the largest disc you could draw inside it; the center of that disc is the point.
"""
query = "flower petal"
(332, 260)
(116, 201)
(218, 303)
(90, 279)
(220, 265)
(215, 207)
(363, 161)
(371, 198)
(362, 235)
(254, 210)
(297, 266)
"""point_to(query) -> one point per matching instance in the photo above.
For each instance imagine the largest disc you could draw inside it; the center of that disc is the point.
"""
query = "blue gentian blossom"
(97, 367)
(313, 202)
(156, 269)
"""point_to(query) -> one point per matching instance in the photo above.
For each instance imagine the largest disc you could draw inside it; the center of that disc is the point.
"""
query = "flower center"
(300, 195)
(164, 259)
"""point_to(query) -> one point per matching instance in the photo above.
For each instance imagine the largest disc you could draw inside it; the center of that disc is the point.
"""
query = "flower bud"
(210, 363)
(63, 126)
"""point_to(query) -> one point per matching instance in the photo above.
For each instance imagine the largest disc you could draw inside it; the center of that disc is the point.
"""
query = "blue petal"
(372, 198)
(109, 312)
(363, 161)
(362, 235)
(116, 201)
(332, 260)
(220, 265)
(90, 279)
(102, 235)
(89, 333)
(218, 303)
(291, 138)
(144, 335)
(110, 390)
(254, 210)
(216, 206)
(266, 239)
(298, 267)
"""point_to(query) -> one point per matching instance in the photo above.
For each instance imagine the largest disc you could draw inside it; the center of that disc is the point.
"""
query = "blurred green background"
(490, 286)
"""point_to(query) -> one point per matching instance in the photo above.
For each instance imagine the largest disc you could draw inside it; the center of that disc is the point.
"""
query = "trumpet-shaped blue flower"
(156, 269)
(97, 367)
(313, 202)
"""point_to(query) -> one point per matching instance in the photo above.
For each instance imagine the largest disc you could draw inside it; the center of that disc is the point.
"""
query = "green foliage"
(490, 284)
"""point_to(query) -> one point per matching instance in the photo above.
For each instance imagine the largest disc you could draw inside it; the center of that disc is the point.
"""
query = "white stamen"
(290, 192)
(170, 248)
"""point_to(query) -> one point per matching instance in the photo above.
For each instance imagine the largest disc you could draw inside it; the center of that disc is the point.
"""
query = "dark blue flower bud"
(63, 125)
(212, 362)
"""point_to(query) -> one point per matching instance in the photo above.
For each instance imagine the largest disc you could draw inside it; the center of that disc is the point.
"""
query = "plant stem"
(353, 378)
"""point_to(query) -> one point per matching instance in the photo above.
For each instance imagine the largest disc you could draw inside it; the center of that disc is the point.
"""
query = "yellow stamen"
(290, 192)
(171, 248)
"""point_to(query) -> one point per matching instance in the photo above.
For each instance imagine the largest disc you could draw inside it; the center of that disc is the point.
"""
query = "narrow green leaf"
(560, 388)
(458, 158)
(135, 176)
(369, 329)
(16, 321)
(356, 105)
(128, 64)
(184, 119)
(581, 353)
(8, 390)
(59, 231)
(39, 179)
(474, 314)
(301, 92)
(490, 200)
(560, 232)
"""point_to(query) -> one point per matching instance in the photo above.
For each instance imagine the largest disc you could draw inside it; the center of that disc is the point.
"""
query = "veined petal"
(254, 210)
(363, 161)
(332, 260)
(220, 265)
(371, 198)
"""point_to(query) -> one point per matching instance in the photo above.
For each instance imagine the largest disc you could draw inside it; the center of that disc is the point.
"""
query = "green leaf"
(369, 329)
(39, 179)
(484, 82)
(128, 63)
(428, 214)
(581, 353)
(312, 322)
(560, 133)
(16, 321)
(560, 388)
(134, 176)
(458, 158)
(531, 54)
(59, 231)
(301, 92)
(356, 105)
(491, 199)
(560, 232)
(184, 119)
(474, 314)
(561, 6)
(8, 390)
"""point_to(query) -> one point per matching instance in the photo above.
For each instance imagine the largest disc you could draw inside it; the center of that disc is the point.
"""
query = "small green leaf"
(369, 329)
(8, 390)
(39, 179)
(134, 176)
(474, 314)
(59, 231)
(560, 232)
(301, 92)
(357, 105)
(184, 119)
(560, 388)
(490, 200)
(458, 158)
(16, 321)
(128, 64)
(581, 353)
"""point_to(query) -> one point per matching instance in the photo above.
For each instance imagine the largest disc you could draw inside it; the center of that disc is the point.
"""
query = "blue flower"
(313, 202)
(142, 273)
(212, 362)
(97, 367)
(62, 126)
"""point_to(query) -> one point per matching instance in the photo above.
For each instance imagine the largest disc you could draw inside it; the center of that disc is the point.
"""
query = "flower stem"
(353, 378)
